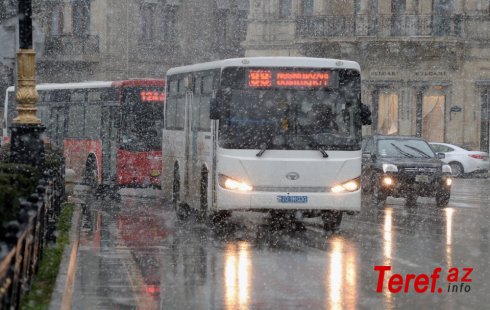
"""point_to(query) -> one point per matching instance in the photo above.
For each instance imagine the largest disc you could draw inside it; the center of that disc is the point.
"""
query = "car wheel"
(377, 196)
(331, 220)
(457, 169)
(442, 198)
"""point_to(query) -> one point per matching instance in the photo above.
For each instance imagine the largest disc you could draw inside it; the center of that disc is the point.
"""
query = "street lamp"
(26, 144)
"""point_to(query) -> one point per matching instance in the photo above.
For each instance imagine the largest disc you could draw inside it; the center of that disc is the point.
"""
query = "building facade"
(120, 39)
(426, 64)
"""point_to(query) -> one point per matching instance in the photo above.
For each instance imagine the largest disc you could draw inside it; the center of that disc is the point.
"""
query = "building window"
(485, 120)
(81, 17)
(147, 21)
(433, 106)
(56, 20)
(169, 24)
(441, 17)
(307, 7)
(285, 8)
(387, 113)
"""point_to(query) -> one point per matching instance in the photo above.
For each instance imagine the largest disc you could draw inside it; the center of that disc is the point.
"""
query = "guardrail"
(26, 237)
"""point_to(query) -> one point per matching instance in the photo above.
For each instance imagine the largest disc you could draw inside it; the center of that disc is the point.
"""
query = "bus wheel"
(331, 220)
(90, 173)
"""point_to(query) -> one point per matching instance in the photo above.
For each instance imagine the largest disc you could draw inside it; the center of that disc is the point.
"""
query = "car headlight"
(447, 169)
(388, 181)
(389, 168)
(349, 186)
(232, 184)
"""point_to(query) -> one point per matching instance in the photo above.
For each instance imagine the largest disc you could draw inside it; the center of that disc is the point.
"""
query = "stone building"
(426, 64)
(119, 39)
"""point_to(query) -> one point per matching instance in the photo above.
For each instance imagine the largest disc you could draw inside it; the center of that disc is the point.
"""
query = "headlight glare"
(388, 181)
(232, 184)
(349, 186)
(449, 181)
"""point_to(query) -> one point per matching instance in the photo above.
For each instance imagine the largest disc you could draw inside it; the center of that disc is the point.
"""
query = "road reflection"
(238, 270)
(341, 277)
(388, 236)
(138, 255)
(449, 212)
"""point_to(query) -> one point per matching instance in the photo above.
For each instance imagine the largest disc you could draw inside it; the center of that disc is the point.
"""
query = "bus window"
(204, 120)
(57, 126)
(62, 95)
(92, 122)
(75, 121)
(171, 113)
(142, 120)
(77, 96)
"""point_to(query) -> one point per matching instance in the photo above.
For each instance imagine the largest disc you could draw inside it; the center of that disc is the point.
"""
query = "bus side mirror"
(365, 114)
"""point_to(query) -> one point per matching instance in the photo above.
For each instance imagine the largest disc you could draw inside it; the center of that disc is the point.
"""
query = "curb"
(61, 297)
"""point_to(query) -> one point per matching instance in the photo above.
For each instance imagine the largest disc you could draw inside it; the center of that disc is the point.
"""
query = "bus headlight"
(232, 184)
(349, 186)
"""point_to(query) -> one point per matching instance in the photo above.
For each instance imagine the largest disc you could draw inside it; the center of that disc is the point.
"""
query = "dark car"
(406, 167)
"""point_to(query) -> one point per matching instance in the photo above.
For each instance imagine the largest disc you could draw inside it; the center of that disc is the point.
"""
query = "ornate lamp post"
(26, 144)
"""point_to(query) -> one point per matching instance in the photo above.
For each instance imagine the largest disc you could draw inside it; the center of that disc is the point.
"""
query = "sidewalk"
(65, 281)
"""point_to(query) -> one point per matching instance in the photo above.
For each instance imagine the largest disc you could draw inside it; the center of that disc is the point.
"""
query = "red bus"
(110, 132)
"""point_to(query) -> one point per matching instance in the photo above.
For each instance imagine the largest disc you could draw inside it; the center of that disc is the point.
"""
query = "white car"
(462, 160)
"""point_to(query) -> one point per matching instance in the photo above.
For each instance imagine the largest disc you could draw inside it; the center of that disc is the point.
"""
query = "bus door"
(110, 115)
(188, 140)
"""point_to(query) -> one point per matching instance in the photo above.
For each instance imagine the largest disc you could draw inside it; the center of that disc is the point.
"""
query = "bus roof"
(305, 62)
(98, 84)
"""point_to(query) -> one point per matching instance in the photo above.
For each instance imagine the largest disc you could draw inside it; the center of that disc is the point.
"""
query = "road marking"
(66, 301)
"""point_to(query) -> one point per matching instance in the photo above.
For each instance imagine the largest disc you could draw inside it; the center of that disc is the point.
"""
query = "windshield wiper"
(417, 150)
(322, 150)
(402, 151)
(263, 148)
(315, 144)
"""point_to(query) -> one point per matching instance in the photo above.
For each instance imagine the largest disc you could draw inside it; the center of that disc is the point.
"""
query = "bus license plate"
(292, 199)
(422, 178)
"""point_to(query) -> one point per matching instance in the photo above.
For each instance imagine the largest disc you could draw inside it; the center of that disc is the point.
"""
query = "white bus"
(275, 134)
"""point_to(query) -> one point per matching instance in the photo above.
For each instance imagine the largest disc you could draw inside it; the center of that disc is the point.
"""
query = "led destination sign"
(290, 79)
(151, 95)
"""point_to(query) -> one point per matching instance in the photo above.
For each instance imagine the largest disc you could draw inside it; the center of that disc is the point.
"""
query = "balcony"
(382, 26)
(72, 48)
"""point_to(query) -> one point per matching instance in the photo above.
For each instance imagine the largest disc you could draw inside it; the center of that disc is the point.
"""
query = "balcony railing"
(73, 47)
(380, 25)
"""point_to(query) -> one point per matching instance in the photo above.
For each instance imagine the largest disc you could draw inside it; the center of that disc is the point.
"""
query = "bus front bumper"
(256, 200)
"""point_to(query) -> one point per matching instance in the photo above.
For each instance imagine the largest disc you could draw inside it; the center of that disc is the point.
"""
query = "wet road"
(136, 255)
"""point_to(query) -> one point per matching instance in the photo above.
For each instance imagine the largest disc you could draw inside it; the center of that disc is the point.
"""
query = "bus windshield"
(291, 118)
(142, 119)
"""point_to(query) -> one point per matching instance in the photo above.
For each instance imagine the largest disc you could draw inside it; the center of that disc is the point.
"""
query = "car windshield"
(411, 148)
